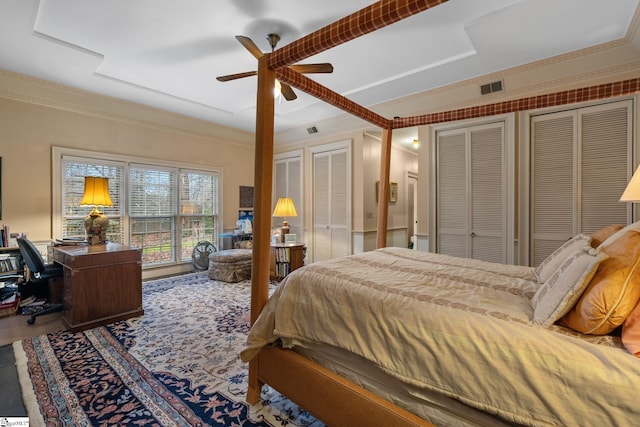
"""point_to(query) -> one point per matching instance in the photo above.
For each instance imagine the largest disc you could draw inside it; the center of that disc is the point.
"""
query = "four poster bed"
(392, 347)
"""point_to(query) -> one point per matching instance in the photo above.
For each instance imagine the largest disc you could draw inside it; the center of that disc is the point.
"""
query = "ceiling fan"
(273, 38)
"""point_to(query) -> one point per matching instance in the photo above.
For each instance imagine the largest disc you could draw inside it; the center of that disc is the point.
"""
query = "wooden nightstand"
(285, 258)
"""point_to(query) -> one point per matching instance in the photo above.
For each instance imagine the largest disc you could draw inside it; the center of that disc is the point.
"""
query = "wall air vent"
(312, 130)
(491, 87)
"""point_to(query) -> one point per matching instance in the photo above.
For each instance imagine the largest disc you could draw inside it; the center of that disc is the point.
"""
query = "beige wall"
(365, 164)
(36, 115)
(29, 131)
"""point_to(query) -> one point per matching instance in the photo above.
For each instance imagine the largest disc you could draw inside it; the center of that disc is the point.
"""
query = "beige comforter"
(459, 327)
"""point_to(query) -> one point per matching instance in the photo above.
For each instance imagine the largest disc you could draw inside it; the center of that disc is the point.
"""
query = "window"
(73, 172)
(164, 209)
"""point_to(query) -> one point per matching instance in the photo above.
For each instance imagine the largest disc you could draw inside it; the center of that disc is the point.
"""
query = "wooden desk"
(102, 284)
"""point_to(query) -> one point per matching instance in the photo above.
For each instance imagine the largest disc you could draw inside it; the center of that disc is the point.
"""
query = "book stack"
(7, 239)
(31, 305)
(9, 263)
(9, 301)
(71, 241)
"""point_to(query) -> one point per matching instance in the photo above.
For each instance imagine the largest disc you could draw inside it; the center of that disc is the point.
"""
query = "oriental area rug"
(178, 365)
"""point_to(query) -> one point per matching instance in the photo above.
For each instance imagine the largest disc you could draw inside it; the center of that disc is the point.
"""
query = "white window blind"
(153, 208)
(163, 209)
(74, 170)
(198, 209)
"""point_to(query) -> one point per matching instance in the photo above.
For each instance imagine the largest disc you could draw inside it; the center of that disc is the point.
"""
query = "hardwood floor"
(15, 328)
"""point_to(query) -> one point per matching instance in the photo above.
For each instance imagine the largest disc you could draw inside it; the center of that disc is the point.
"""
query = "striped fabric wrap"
(364, 21)
(590, 93)
(313, 88)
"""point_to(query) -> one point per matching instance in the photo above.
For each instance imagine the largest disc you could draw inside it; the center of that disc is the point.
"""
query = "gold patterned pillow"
(598, 237)
(613, 291)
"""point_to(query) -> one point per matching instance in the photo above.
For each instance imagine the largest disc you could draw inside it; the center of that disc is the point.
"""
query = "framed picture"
(393, 192)
(246, 197)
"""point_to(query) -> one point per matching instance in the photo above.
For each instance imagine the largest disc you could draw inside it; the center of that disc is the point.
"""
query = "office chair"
(40, 272)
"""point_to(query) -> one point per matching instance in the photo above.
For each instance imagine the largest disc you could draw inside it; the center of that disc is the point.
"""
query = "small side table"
(285, 258)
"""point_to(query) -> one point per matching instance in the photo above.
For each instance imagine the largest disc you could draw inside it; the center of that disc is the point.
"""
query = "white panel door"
(331, 198)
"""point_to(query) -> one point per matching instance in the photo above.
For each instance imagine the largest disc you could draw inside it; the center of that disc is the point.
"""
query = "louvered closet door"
(552, 182)
(470, 193)
(605, 135)
(452, 199)
(339, 208)
(580, 164)
(487, 201)
(288, 183)
(330, 217)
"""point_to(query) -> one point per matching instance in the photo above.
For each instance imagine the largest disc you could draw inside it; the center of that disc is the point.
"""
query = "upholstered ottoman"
(231, 265)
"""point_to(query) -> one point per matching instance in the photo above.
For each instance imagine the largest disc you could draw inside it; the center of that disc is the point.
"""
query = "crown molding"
(31, 90)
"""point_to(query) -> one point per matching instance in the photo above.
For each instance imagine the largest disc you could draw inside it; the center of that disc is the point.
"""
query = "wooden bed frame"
(329, 397)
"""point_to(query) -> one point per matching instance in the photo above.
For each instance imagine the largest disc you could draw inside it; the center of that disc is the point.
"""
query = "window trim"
(56, 171)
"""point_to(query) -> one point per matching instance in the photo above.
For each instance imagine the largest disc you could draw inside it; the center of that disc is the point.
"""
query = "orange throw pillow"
(603, 234)
(631, 332)
(612, 293)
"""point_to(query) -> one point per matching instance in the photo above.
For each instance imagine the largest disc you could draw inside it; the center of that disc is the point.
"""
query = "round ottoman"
(231, 265)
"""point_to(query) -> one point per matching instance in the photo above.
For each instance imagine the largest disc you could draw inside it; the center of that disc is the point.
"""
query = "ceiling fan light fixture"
(277, 89)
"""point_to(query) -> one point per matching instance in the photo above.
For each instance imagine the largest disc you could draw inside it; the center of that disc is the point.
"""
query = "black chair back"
(30, 255)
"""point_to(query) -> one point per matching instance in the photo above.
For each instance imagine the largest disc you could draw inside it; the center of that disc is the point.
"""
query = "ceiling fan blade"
(236, 76)
(250, 46)
(287, 92)
(312, 68)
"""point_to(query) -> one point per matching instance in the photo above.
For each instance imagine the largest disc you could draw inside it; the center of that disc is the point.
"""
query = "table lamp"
(632, 192)
(96, 193)
(284, 208)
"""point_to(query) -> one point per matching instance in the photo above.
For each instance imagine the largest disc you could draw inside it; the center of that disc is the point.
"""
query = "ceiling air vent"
(312, 130)
(491, 87)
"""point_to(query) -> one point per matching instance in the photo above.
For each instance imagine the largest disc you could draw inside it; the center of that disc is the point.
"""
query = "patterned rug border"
(28, 394)
(51, 367)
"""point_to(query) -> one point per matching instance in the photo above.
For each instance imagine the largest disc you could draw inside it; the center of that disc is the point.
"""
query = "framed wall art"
(393, 192)
(246, 197)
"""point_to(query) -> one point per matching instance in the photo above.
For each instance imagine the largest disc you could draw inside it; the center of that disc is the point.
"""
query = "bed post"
(383, 190)
(263, 169)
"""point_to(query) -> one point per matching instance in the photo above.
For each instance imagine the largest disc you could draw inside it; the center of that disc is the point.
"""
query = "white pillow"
(557, 257)
(615, 236)
(565, 286)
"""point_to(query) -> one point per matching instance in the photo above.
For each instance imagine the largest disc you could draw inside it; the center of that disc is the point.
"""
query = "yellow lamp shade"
(96, 191)
(285, 208)
(632, 192)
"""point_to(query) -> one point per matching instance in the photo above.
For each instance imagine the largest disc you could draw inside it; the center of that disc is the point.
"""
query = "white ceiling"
(166, 54)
